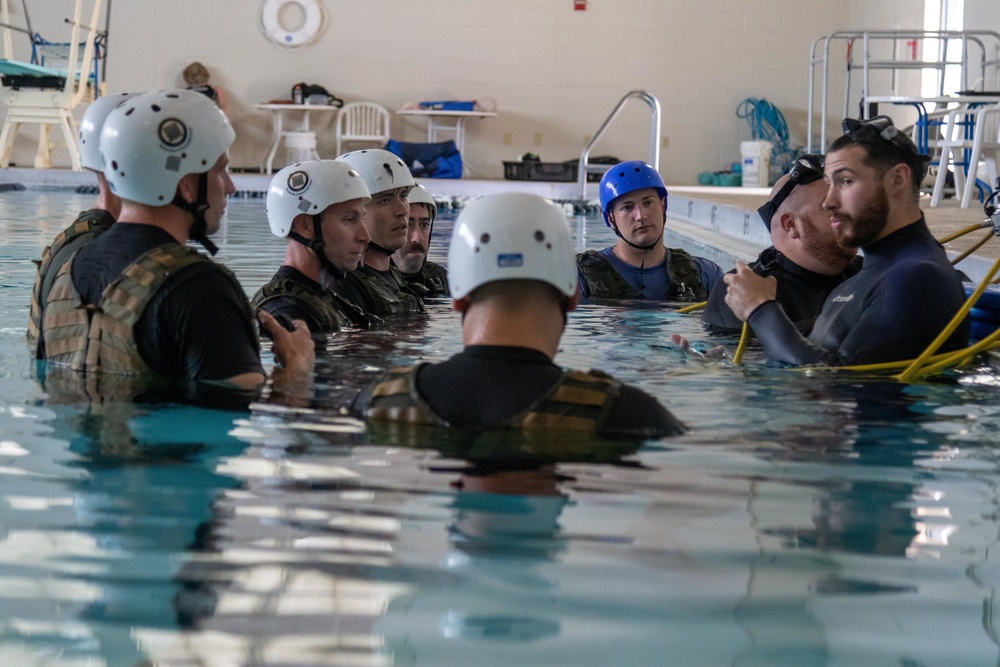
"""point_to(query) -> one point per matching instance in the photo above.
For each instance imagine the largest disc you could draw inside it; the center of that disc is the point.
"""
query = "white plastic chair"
(362, 121)
(46, 108)
(954, 144)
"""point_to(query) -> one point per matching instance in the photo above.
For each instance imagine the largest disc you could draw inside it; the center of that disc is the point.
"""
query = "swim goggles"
(806, 169)
(880, 130)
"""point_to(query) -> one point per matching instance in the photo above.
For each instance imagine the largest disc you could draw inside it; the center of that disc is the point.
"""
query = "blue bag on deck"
(441, 160)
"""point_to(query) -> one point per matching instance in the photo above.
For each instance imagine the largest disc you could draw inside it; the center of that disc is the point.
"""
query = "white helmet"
(91, 125)
(420, 195)
(151, 141)
(309, 187)
(381, 169)
(511, 236)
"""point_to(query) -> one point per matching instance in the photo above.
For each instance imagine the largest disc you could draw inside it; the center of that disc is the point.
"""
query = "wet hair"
(195, 74)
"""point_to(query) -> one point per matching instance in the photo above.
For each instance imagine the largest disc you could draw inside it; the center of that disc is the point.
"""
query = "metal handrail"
(654, 136)
(973, 63)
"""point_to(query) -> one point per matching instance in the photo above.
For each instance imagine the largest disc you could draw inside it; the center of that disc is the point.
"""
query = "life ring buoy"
(270, 22)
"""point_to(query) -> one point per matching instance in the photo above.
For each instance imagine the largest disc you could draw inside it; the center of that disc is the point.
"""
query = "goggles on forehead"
(806, 169)
(880, 130)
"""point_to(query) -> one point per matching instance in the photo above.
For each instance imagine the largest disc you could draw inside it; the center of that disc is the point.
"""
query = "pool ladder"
(654, 138)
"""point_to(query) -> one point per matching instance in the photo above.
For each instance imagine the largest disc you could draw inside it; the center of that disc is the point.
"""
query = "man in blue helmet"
(639, 266)
(807, 257)
(907, 291)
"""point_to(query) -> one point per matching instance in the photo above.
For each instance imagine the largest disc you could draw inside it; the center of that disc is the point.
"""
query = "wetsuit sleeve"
(636, 415)
(198, 326)
(896, 321)
(782, 341)
(710, 272)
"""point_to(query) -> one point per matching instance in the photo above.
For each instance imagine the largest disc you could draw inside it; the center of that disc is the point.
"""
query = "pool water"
(809, 517)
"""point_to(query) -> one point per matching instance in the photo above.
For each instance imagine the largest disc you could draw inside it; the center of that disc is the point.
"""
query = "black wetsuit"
(487, 385)
(890, 311)
(801, 293)
(197, 326)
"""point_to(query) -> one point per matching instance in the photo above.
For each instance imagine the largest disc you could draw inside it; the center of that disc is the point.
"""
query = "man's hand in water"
(294, 350)
(747, 290)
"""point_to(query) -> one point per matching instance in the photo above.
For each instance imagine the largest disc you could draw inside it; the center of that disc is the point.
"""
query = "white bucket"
(301, 146)
(756, 163)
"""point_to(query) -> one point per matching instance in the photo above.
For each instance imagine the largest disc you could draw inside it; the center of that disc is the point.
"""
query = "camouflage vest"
(382, 297)
(579, 402)
(88, 338)
(432, 279)
(325, 315)
(604, 282)
(88, 226)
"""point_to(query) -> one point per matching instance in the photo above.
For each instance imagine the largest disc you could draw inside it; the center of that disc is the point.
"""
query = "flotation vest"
(87, 226)
(579, 401)
(604, 282)
(431, 277)
(88, 338)
(325, 314)
(381, 297)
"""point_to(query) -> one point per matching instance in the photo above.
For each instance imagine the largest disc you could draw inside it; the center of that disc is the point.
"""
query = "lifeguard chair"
(46, 91)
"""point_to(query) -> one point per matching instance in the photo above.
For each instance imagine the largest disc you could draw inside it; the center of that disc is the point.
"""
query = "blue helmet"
(627, 177)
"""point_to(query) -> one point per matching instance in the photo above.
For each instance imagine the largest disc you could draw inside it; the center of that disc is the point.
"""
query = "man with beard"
(377, 287)
(639, 266)
(807, 257)
(418, 271)
(907, 291)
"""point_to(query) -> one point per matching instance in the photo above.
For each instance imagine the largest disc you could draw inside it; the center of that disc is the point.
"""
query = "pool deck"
(721, 217)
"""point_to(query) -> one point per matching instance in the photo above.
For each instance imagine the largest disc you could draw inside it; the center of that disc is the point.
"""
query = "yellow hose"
(960, 357)
(979, 244)
(690, 309)
(911, 371)
(967, 230)
(744, 337)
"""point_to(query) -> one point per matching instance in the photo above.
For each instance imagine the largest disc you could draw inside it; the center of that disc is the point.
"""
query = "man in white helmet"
(512, 274)
(89, 224)
(411, 259)
(318, 207)
(135, 301)
(376, 286)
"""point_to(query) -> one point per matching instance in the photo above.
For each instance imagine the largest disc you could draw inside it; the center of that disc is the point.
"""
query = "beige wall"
(555, 73)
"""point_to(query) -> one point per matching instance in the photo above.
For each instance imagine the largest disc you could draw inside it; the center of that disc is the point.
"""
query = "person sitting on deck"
(639, 265)
(513, 279)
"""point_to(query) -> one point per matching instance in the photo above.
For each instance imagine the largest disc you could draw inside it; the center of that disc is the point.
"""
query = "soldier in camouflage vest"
(411, 259)
(639, 265)
(513, 278)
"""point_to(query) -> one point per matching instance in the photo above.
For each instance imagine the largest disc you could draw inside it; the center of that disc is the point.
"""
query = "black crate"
(556, 172)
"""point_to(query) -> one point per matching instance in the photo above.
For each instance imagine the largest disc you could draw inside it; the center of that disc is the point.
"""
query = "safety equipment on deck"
(314, 19)
(91, 126)
(310, 187)
(511, 236)
(380, 169)
(151, 141)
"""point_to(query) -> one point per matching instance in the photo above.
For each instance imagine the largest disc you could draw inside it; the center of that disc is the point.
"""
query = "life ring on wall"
(270, 23)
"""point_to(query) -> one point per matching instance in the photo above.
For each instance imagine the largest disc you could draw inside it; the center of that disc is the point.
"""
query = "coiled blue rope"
(768, 124)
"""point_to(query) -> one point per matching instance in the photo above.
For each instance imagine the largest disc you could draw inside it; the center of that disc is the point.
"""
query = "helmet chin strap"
(316, 244)
(199, 230)
(644, 248)
(614, 226)
(377, 248)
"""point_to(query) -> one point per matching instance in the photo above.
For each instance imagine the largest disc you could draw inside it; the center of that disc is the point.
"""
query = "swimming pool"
(807, 518)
